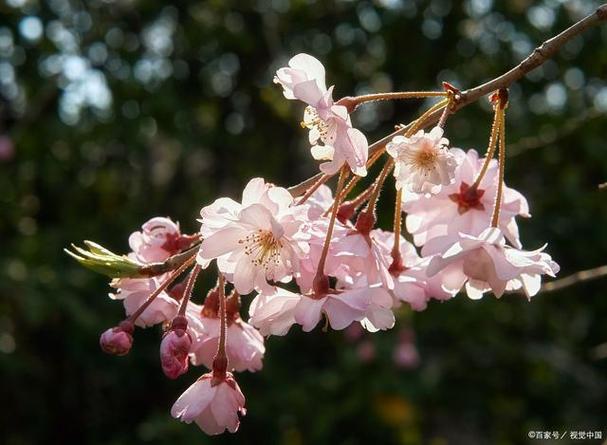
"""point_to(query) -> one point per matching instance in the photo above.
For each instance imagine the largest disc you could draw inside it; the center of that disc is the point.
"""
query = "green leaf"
(106, 262)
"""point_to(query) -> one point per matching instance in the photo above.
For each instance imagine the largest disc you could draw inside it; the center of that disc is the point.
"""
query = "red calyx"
(467, 198)
(397, 265)
(176, 243)
(345, 212)
(365, 222)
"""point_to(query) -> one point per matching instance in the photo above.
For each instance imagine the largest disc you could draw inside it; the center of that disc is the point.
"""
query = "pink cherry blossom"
(118, 340)
(423, 162)
(174, 349)
(341, 309)
(135, 291)
(460, 208)
(334, 266)
(244, 345)
(256, 241)
(329, 124)
(414, 287)
(379, 315)
(274, 313)
(319, 202)
(302, 68)
(214, 405)
(159, 239)
(486, 263)
(365, 255)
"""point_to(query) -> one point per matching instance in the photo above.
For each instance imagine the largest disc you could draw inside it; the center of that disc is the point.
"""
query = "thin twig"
(578, 277)
(565, 129)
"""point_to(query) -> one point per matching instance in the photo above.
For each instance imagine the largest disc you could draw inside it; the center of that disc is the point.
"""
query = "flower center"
(424, 159)
(312, 121)
(262, 248)
(467, 198)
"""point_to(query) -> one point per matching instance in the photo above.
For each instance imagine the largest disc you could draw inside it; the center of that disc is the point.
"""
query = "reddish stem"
(320, 284)
(220, 362)
(133, 317)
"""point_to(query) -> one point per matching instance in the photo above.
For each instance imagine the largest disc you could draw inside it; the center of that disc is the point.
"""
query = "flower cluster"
(314, 254)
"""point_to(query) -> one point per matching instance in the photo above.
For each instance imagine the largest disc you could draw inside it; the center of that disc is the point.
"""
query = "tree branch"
(578, 277)
(538, 57)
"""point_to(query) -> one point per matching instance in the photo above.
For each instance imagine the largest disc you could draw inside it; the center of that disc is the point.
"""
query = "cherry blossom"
(135, 291)
(378, 315)
(487, 263)
(459, 207)
(306, 259)
(244, 345)
(159, 239)
(423, 162)
(329, 124)
(257, 240)
(341, 309)
(274, 313)
(214, 405)
(365, 255)
(413, 286)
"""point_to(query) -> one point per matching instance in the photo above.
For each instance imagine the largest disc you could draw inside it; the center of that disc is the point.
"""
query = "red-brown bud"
(117, 340)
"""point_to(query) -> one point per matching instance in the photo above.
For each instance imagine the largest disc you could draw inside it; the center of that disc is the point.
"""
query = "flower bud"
(117, 340)
(174, 349)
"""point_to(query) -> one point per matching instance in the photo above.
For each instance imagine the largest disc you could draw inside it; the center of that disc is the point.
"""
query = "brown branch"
(578, 277)
(539, 55)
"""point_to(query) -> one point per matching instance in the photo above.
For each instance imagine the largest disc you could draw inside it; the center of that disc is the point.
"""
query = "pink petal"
(221, 242)
(244, 275)
(308, 92)
(313, 68)
(193, 401)
(307, 312)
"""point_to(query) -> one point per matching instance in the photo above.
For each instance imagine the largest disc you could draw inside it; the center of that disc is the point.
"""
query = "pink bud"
(174, 350)
(117, 340)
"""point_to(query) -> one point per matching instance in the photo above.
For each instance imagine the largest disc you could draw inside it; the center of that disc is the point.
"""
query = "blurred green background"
(112, 112)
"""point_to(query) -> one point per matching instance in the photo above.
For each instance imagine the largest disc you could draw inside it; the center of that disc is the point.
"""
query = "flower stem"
(352, 183)
(379, 182)
(189, 287)
(397, 262)
(502, 166)
(321, 282)
(220, 362)
(313, 188)
(352, 102)
(495, 128)
(161, 288)
(420, 121)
